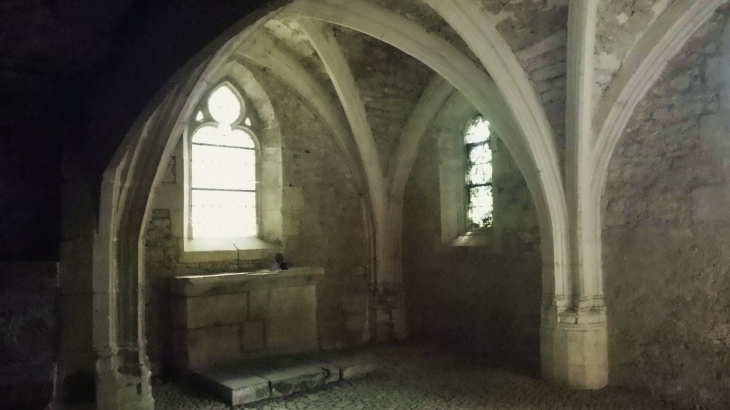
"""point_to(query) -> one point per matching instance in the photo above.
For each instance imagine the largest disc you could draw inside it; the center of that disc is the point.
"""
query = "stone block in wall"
(202, 311)
(383, 333)
(258, 304)
(354, 302)
(292, 326)
(209, 346)
(254, 336)
(355, 324)
(552, 71)
(400, 323)
(714, 131)
(282, 317)
(711, 204)
(159, 229)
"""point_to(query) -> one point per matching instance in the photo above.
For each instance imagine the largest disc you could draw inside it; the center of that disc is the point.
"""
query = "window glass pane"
(480, 174)
(477, 131)
(221, 214)
(480, 165)
(223, 168)
(480, 206)
(209, 134)
(224, 105)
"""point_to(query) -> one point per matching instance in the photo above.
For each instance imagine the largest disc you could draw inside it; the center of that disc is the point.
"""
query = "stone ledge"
(224, 283)
(226, 249)
(278, 377)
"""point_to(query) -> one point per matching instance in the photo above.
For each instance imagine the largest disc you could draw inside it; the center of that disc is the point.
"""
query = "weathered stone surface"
(711, 204)
(292, 325)
(258, 303)
(253, 381)
(295, 379)
(202, 311)
(209, 346)
(233, 388)
(254, 336)
(620, 24)
(666, 235)
(285, 322)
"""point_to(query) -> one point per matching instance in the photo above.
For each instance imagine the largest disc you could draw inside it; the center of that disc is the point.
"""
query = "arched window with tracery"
(223, 168)
(480, 202)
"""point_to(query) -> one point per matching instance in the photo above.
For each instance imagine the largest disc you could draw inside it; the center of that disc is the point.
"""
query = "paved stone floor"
(423, 378)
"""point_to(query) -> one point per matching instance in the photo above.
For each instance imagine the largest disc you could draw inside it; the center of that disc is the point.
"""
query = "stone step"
(250, 382)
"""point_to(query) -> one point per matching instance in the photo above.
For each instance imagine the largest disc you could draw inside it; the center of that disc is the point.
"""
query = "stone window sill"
(227, 283)
(486, 238)
(226, 249)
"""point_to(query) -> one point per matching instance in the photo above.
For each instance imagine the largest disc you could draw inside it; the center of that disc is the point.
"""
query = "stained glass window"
(223, 171)
(478, 174)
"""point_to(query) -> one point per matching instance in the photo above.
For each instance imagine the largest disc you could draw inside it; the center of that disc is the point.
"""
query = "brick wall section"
(666, 236)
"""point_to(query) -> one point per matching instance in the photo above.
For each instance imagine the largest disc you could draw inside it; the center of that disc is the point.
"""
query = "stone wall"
(545, 63)
(390, 83)
(29, 334)
(523, 24)
(483, 299)
(323, 226)
(423, 14)
(666, 246)
(620, 25)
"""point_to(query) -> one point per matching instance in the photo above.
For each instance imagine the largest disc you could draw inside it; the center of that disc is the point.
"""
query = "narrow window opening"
(480, 201)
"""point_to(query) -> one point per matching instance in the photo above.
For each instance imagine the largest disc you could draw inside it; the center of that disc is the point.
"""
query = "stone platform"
(278, 377)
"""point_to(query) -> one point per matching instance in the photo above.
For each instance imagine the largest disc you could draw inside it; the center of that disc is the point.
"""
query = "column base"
(115, 391)
(390, 313)
(574, 349)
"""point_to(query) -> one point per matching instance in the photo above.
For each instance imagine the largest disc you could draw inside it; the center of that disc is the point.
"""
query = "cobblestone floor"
(423, 378)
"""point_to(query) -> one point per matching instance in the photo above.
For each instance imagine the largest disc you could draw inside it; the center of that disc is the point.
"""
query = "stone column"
(574, 348)
(123, 376)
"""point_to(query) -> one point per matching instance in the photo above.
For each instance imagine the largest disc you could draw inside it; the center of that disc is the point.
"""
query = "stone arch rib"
(264, 52)
(428, 105)
(640, 70)
(541, 170)
(331, 54)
